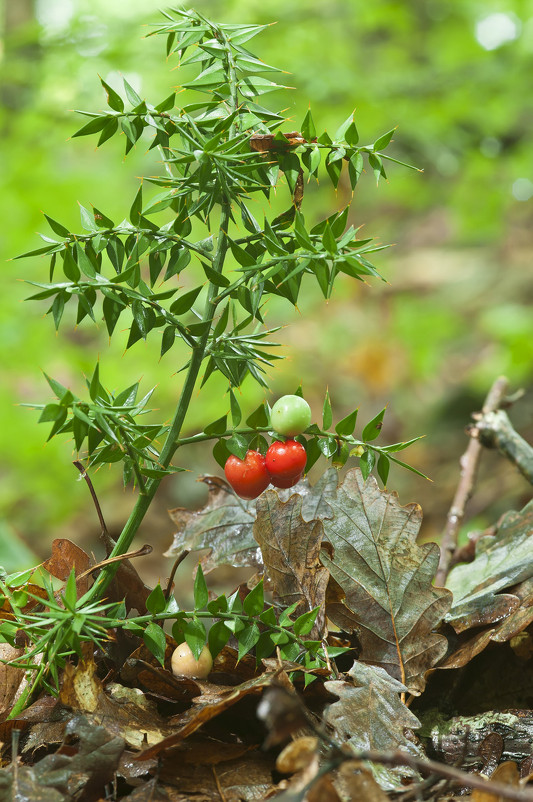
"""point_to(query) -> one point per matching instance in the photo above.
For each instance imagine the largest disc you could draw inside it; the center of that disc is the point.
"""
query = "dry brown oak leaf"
(382, 580)
(291, 549)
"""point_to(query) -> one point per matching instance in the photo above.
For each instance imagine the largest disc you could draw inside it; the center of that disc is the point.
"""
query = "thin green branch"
(171, 443)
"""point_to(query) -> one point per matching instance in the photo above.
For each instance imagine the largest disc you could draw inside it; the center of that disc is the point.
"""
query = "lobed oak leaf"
(382, 580)
(370, 715)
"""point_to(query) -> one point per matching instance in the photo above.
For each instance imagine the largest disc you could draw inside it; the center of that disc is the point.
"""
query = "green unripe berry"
(291, 415)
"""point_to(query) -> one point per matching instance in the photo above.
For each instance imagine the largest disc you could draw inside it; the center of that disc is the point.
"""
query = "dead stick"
(175, 567)
(84, 475)
(469, 463)
(399, 758)
(495, 430)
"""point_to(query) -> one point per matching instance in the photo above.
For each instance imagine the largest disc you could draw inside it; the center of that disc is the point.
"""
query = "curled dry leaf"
(371, 715)
(291, 550)
(508, 629)
(65, 556)
(297, 754)
(124, 712)
(206, 709)
(12, 680)
(385, 578)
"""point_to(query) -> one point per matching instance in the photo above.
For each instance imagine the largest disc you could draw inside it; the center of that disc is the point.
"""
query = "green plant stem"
(202, 436)
(171, 442)
(134, 463)
(224, 616)
(198, 351)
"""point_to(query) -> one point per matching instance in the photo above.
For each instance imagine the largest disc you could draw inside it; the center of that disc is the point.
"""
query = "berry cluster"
(284, 462)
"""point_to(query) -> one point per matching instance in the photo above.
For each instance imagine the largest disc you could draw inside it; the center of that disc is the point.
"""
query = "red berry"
(285, 462)
(277, 481)
(248, 476)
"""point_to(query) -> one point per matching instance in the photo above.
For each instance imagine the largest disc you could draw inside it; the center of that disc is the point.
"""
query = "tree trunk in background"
(21, 53)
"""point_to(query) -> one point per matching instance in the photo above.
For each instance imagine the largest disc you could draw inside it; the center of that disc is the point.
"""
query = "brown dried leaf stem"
(142, 552)
(469, 463)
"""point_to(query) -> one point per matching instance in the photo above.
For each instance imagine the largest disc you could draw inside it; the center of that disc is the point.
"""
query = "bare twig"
(495, 430)
(469, 463)
(457, 776)
(84, 475)
(175, 567)
(283, 712)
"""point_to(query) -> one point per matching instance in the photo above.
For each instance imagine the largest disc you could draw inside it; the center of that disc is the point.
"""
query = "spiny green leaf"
(308, 127)
(131, 94)
(57, 227)
(113, 99)
(236, 414)
(366, 463)
(383, 468)
(136, 208)
(195, 636)
(217, 427)
(237, 445)
(373, 427)
(156, 602)
(384, 140)
(201, 594)
(254, 602)
(327, 415)
(219, 635)
(260, 417)
(155, 641)
(346, 426)
(92, 127)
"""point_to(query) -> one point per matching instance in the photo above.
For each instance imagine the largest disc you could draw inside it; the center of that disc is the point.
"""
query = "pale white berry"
(184, 664)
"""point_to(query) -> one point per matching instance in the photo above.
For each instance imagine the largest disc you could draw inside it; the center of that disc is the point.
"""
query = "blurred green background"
(455, 311)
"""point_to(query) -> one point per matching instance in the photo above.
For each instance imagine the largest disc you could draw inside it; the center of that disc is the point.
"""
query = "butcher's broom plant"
(221, 152)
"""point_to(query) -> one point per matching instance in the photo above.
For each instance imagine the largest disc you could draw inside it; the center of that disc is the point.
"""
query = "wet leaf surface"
(223, 525)
(386, 580)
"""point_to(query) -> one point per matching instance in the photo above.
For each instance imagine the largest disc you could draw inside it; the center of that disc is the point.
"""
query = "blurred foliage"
(454, 78)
